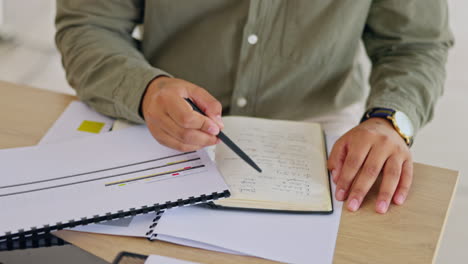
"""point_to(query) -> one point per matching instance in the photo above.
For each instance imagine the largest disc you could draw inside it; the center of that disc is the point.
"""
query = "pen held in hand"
(228, 141)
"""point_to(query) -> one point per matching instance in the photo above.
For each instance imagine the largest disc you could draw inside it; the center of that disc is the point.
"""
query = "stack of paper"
(292, 238)
(92, 179)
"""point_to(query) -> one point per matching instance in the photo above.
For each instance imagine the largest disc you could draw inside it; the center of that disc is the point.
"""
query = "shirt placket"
(248, 71)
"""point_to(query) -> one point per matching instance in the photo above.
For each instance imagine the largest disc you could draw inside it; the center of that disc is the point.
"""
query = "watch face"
(404, 124)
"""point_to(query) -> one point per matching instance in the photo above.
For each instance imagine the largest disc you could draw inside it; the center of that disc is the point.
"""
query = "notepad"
(293, 158)
(94, 179)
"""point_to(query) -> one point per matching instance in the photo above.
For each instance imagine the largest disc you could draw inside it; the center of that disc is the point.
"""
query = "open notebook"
(94, 179)
(293, 158)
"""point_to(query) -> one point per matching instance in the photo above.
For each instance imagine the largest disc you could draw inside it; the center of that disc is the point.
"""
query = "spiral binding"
(150, 235)
(32, 237)
(35, 241)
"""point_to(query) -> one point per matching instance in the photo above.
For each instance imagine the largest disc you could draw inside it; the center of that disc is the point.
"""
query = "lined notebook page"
(291, 155)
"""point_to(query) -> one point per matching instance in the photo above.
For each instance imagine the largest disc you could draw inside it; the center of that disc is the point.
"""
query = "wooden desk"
(406, 234)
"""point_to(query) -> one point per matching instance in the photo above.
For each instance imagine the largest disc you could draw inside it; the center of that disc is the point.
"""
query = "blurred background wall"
(28, 55)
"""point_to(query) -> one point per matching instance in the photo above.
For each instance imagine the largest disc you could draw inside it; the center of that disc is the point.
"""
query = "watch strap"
(378, 112)
(386, 113)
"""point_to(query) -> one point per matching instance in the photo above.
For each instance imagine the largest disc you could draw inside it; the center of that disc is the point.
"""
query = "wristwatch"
(399, 120)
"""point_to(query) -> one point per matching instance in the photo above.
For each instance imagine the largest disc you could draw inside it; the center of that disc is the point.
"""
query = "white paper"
(156, 259)
(136, 226)
(291, 238)
(66, 126)
(121, 124)
(284, 237)
(49, 184)
(196, 244)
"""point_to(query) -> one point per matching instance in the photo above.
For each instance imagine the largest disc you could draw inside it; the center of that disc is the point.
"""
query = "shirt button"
(252, 39)
(241, 102)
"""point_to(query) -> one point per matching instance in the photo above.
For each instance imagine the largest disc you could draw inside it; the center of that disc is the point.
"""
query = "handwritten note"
(291, 155)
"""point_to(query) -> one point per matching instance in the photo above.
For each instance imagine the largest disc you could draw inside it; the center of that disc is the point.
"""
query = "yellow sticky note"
(91, 126)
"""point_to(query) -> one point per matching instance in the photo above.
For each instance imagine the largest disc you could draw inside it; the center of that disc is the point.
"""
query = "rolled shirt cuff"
(129, 95)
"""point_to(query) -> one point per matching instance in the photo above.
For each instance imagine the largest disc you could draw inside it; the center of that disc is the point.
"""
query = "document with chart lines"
(107, 174)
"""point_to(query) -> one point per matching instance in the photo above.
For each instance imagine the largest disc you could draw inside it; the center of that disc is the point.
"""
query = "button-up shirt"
(266, 58)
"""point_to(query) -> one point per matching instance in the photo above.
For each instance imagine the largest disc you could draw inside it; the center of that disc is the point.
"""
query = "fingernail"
(353, 205)
(219, 120)
(382, 207)
(340, 195)
(400, 199)
(213, 130)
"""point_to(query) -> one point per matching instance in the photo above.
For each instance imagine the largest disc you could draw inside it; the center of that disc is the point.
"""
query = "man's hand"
(361, 155)
(173, 122)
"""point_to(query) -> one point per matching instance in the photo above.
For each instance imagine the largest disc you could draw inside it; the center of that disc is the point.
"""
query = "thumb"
(208, 104)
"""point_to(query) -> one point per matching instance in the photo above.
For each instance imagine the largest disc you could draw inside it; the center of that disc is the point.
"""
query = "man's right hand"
(173, 122)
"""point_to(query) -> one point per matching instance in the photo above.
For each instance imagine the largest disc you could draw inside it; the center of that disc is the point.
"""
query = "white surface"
(318, 230)
(139, 224)
(283, 237)
(138, 227)
(156, 259)
(32, 57)
(265, 235)
(196, 244)
(121, 124)
(88, 199)
(66, 127)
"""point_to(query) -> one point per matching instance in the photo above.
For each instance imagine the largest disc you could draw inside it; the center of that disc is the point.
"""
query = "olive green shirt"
(265, 58)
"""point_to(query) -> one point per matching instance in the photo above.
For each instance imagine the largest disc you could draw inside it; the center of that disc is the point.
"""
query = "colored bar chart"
(179, 164)
(173, 172)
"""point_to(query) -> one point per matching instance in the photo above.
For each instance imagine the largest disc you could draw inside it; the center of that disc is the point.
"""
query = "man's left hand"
(371, 149)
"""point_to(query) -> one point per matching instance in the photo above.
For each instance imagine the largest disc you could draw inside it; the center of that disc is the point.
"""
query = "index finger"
(354, 160)
(337, 158)
(208, 104)
(184, 116)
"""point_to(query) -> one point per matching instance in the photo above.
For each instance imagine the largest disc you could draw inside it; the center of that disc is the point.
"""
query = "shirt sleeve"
(101, 58)
(407, 43)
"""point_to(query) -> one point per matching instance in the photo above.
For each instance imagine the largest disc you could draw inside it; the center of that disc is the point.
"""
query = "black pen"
(228, 141)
